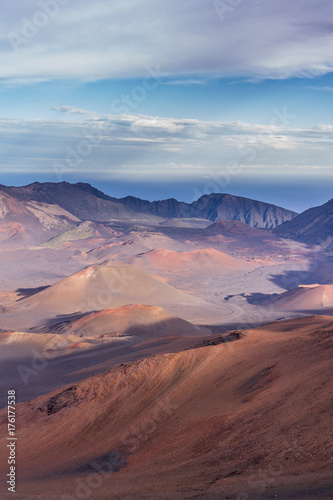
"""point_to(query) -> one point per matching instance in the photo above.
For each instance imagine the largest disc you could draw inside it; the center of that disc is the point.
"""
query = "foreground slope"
(251, 417)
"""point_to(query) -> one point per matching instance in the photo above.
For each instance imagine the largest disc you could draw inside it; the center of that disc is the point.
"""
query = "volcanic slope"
(136, 242)
(206, 422)
(203, 261)
(139, 320)
(93, 289)
(306, 298)
(24, 222)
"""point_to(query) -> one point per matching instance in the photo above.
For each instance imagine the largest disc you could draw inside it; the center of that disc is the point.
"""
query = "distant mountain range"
(215, 207)
(87, 203)
(314, 226)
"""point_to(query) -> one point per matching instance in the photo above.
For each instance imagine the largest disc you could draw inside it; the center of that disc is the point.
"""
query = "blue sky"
(223, 99)
(173, 99)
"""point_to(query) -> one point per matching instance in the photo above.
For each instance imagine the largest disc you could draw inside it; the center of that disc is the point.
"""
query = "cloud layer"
(67, 39)
(155, 149)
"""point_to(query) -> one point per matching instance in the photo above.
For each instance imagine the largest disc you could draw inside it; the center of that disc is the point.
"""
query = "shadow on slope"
(212, 417)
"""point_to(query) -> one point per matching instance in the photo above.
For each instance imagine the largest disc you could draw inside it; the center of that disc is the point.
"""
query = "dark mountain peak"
(314, 226)
(215, 207)
(233, 198)
(129, 197)
(213, 195)
(65, 188)
(84, 186)
(81, 200)
(88, 203)
(44, 185)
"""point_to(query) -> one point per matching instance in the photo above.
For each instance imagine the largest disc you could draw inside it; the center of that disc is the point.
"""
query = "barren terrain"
(196, 355)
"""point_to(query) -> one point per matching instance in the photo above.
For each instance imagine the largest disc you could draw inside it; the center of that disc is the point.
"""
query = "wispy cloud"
(155, 148)
(96, 40)
(188, 81)
(70, 110)
(323, 89)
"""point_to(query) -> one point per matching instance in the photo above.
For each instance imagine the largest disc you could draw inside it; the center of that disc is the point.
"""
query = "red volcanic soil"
(196, 261)
(8, 298)
(93, 289)
(140, 320)
(96, 286)
(251, 418)
(138, 242)
(306, 298)
(13, 231)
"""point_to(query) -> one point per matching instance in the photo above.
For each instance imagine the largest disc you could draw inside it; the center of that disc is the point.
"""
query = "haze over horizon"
(159, 101)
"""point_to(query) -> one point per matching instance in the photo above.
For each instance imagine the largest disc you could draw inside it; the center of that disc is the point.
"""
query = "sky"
(170, 99)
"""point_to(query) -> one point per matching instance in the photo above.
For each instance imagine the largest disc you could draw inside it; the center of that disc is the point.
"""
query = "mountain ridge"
(88, 203)
(314, 226)
(215, 207)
